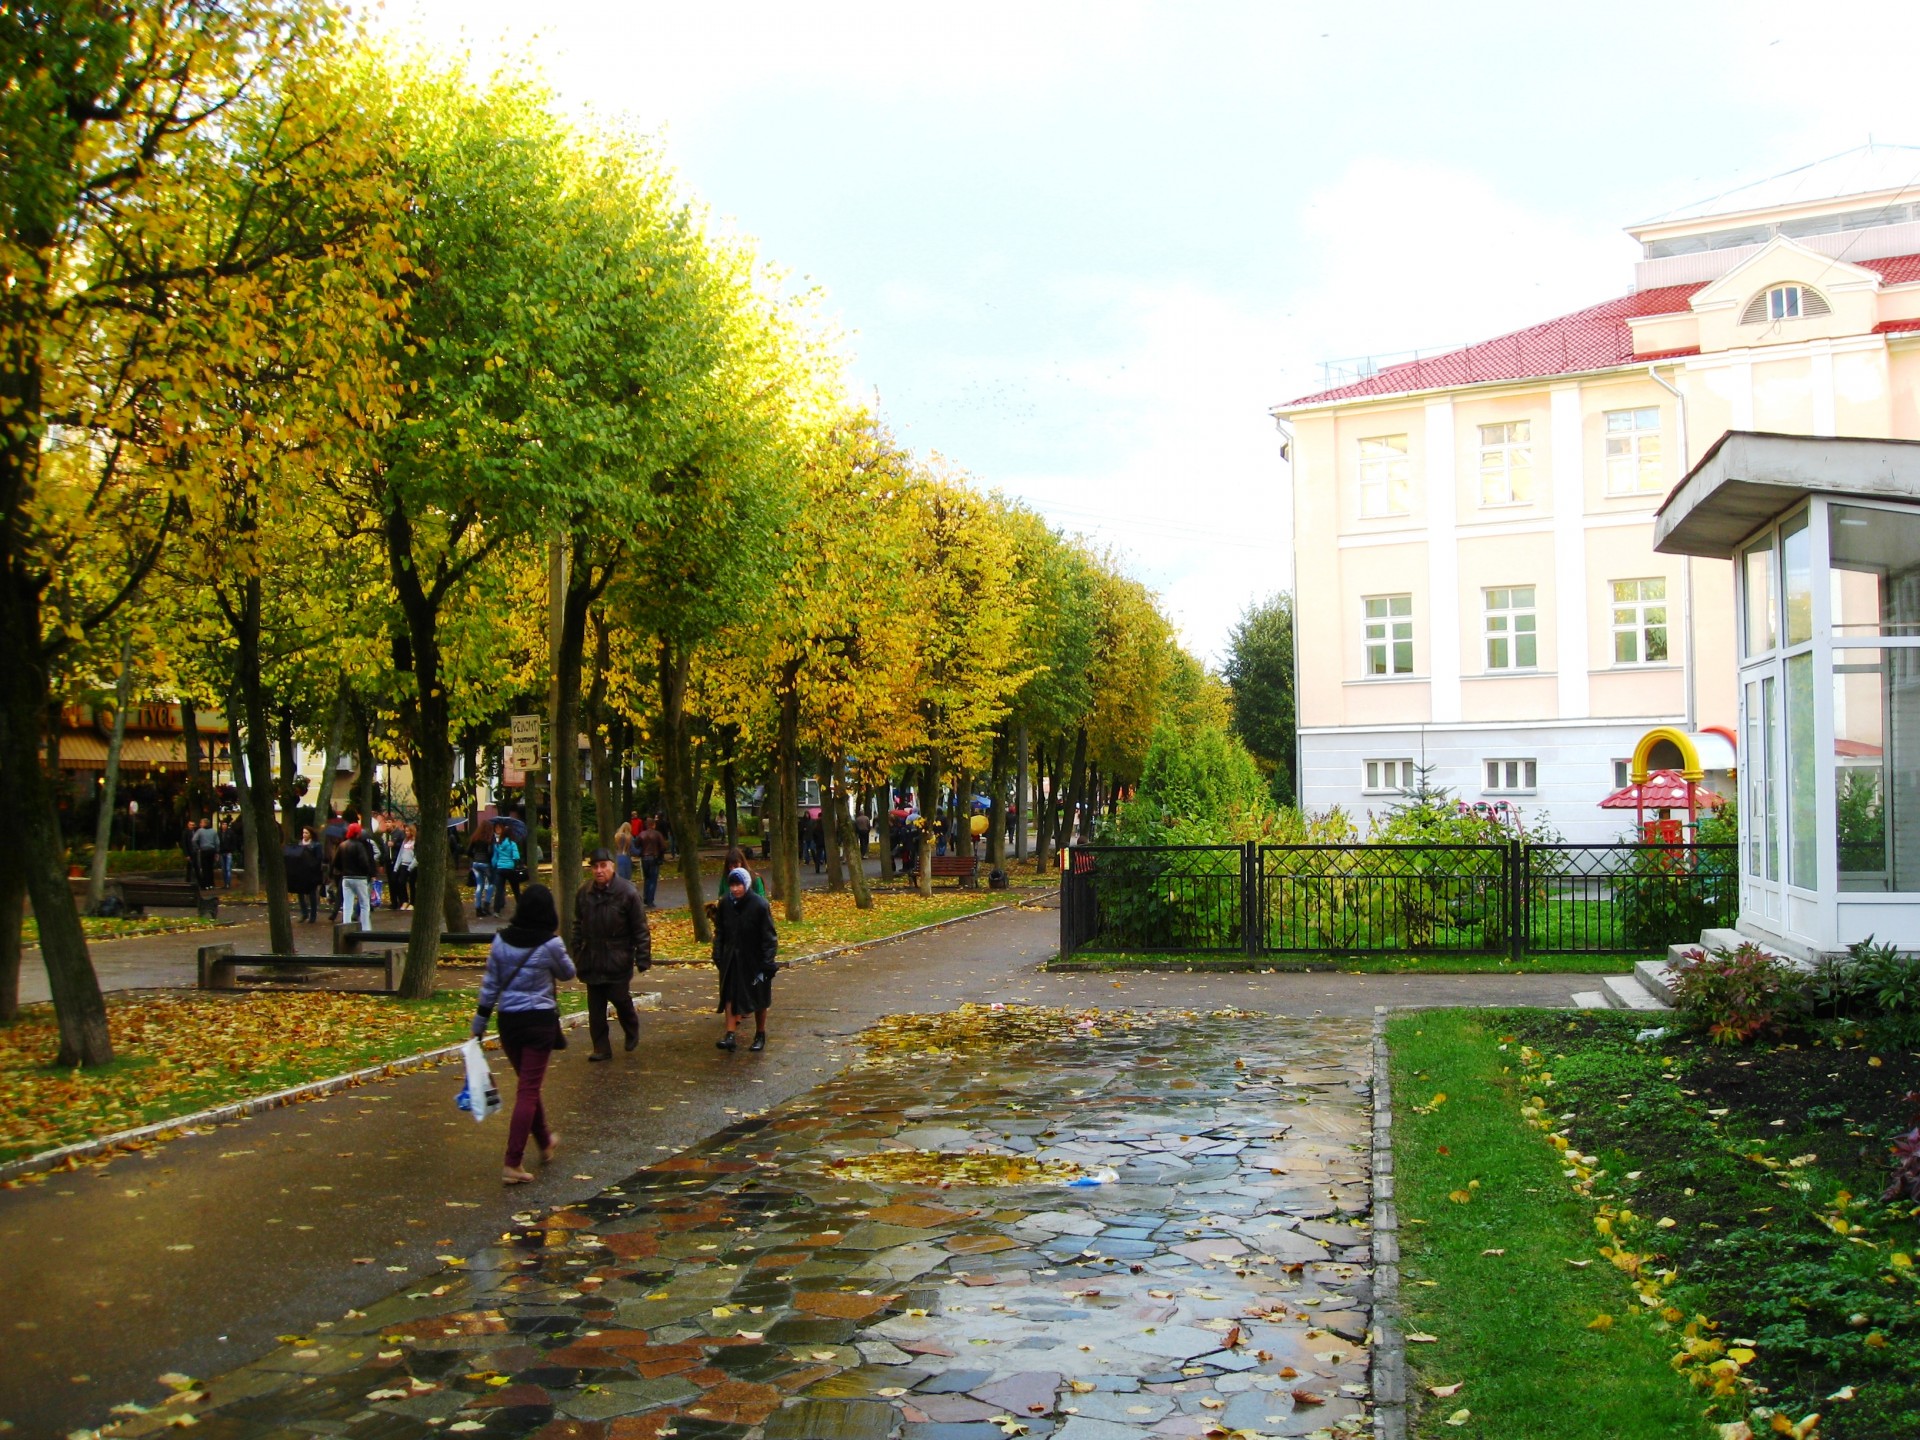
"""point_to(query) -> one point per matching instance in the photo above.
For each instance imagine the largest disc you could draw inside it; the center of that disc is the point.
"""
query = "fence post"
(1250, 899)
(1066, 871)
(1516, 899)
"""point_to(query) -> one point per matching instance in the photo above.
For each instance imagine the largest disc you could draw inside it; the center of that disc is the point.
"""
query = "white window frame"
(1386, 477)
(1785, 302)
(1509, 624)
(1506, 457)
(1384, 633)
(1388, 777)
(1516, 776)
(1635, 459)
(1638, 622)
(1622, 774)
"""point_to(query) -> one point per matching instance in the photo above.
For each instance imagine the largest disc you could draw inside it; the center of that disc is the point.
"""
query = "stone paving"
(1005, 1221)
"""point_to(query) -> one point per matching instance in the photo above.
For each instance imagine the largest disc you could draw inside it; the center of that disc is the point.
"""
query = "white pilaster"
(1443, 564)
(1740, 393)
(1822, 386)
(1567, 454)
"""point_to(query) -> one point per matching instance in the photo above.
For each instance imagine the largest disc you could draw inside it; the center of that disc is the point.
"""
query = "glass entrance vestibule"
(1827, 592)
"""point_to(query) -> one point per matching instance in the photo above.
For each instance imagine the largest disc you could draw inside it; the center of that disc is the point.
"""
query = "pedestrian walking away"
(863, 829)
(524, 971)
(206, 849)
(623, 851)
(304, 873)
(232, 841)
(355, 865)
(653, 847)
(610, 941)
(745, 945)
(505, 865)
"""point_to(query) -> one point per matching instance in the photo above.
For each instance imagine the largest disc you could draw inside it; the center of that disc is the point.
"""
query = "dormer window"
(1784, 302)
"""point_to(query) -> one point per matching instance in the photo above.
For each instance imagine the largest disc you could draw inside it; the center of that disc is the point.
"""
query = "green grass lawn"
(1359, 964)
(183, 1052)
(1511, 1329)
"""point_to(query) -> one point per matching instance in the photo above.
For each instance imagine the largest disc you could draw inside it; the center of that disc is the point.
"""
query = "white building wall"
(1576, 767)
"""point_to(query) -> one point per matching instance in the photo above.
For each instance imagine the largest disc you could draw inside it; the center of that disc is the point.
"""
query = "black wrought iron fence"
(1586, 899)
(1385, 899)
(1393, 899)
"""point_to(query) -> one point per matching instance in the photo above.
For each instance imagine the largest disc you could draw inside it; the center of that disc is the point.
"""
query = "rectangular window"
(1386, 476)
(1622, 774)
(1389, 775)
(1640, 622)
(1761, 600)
(1876, 571)
(1512, 629)
(1513, 777)
(1506, 463)
(1389, 629)
(1633, 452)
(1783, 302)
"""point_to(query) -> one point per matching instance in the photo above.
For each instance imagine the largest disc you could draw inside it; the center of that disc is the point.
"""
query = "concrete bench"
(349, 938)
(218, 964)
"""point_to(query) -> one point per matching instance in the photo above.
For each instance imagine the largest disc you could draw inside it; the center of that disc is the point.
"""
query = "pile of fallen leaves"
(180, 1053)
(900, 1039)
(832, 920)
(118, 927)
(941, 1168)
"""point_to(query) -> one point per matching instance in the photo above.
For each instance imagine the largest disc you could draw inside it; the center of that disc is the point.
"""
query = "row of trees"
(372, 405)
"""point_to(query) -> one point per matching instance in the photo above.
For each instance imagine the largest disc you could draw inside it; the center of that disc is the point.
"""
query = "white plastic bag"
(479, 1082)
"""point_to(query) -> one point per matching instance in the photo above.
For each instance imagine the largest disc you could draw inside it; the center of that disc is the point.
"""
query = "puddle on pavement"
(1007, 1222)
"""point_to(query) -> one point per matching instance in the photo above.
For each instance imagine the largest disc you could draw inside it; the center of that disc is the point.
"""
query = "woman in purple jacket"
(524, 971)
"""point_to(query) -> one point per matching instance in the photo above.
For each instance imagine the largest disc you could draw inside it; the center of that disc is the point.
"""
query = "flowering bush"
(1735, 994)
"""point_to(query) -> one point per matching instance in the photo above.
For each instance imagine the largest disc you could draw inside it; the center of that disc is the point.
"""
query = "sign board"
(510, 773)
(525, 754)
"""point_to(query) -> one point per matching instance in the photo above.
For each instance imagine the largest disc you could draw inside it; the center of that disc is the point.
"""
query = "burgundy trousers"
(527, 1037)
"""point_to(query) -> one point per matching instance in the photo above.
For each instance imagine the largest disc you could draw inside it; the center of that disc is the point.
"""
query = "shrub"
(1892, 979)
(1735, 995)
(1906, 1157)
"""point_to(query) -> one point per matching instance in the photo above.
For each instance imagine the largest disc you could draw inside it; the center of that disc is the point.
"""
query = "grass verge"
(183, 1052)
(1359, 964)
(1511, 1328)
(831, 921)
(103, 927)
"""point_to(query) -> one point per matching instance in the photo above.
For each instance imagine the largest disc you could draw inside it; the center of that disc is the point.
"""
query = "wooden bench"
(348, 938)
(219, 962)
(962, 868)
(162, 892)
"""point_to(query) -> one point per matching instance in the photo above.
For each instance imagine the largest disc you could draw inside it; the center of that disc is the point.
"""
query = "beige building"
(1476, 581)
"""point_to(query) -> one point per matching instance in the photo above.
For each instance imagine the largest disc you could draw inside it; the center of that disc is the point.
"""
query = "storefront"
(150, 800)
(1824, 536)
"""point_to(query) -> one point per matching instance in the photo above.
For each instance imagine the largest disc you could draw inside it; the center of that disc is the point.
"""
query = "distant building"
(1473, 530)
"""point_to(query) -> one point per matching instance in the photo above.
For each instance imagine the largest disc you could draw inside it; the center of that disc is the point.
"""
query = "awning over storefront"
(82, 751)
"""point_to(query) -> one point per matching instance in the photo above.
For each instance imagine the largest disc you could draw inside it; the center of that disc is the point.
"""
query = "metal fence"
(1511, 899)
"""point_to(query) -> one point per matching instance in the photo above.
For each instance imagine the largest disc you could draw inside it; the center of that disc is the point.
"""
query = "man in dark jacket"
(610, 941)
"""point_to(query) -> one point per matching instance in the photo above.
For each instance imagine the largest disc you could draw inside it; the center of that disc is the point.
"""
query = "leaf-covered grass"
(1359, 964)
(831, 921)
(116, 927)
(1511, 1329)
(180, 1053)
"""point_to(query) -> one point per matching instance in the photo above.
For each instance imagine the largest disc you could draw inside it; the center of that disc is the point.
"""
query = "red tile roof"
(1897, 327)
(1596, 338)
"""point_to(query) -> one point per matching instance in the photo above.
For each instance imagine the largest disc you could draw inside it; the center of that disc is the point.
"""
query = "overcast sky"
(1080, 250)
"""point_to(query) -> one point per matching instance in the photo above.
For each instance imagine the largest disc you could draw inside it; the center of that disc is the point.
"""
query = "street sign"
(525, 752)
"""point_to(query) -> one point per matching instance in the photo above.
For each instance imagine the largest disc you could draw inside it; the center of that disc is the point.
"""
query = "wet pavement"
(192, 1257)
(1107, 1226)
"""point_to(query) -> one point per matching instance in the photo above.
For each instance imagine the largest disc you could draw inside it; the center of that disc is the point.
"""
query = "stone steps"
(1625, 992)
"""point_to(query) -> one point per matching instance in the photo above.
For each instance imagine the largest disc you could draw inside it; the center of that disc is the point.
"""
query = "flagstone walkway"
(1004, 1221)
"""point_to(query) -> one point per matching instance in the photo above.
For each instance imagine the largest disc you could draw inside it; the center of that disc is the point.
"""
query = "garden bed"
(1727, 1201)
(120, 927)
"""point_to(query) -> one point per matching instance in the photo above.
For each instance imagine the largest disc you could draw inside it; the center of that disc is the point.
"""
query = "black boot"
(759, 1040)
(725, 1042)
(633, 1039)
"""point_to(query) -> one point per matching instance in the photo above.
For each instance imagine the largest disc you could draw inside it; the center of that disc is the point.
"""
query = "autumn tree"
(1259, 669)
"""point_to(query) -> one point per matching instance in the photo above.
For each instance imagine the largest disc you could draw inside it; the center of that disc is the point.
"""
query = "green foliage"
(1259, 670)
(1736, 995)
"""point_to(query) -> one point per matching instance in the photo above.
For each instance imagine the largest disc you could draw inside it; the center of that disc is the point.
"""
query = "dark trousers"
(205, 877)
(528, 1041)
(650, 873)
(309, 904)
(598, 998)
(400, 889)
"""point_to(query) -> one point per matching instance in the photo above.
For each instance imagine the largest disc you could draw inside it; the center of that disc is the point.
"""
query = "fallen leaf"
(1307, 1397)
(1493, 1252)
(1446, 1391)
(1419, 1338)
(1459, 1417)
(1600, 1322)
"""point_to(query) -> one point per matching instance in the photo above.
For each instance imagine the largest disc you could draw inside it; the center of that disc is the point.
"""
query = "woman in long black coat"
(744, 946)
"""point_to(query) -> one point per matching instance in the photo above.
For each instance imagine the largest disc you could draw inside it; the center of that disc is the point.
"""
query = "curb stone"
(1389, 1358)
(314, 1089)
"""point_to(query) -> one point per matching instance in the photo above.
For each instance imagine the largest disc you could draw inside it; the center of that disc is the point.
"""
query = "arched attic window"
(1785, 302)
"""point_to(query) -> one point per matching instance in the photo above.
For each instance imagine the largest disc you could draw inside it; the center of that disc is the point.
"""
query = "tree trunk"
(846, 841)
(13, 906)
(1076, 790)
(289, 782)
(830, 794)
(103, 822)
(789, 762)
(997, 807)
(1042, 810)
(453, 908)
(773, 804)
(600, 741)
(564, 802)
(730, 787)
(330, 772)
(40, 853)
(1022, 801)
(676, 776)
(266, 865)
(363, 798)
(197, 787)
